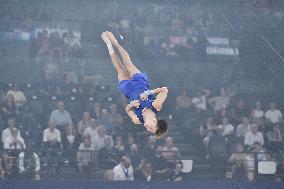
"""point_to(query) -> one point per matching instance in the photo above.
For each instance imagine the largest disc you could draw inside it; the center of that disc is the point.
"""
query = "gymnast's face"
(151, 124)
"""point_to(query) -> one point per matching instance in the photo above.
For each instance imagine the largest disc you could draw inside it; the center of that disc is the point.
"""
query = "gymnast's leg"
(129, 66)
(121, 72)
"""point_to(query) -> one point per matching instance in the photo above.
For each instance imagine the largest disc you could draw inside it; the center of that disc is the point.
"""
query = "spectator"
(85, 122)
(160, 164)
(206, 131)
(145, 172)
(106, 121)
(96, 110)
(201, 100)
(98, 141)
(8, 131)
(84, 157)
(177, 174)
(2, 172)
(116, 119)
(51, 137)
(130, 141)
(257, 112)
(119, 146)
(134, 155)
(70, 138)
(170, 152)
(250, 176)
(14, 142)
(237, 158)
(254, 136)
(29, 164)
(221, 102)
(91, 130)
(150, 147)
(18, 95)
(243, 128)
(258, 150)
(218, 152)
(124, 170)
(107, 155)
(226, 128)
(274, 139)
(273, 115)
(60, 117)
(9, 108)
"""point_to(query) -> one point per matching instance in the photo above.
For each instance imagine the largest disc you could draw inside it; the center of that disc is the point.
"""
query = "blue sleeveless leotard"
(132, 89)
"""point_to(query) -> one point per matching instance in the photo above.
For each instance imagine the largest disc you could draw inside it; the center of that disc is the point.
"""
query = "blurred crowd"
(67, 120)
(93, 135)
(234, 132)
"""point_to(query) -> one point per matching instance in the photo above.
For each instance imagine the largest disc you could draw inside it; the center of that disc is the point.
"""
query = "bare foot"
(112, 38)
(105, 38)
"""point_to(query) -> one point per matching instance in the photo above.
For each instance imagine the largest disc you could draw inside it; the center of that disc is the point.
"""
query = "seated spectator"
(14, 142)
(160, 164)
(106, 121)
(273, 115)
(2, 172)
(107, 155)
(115, 118)
(218, 152)
(206, 131)
(108, 175)
(134, 155)
(177, 174)
(119, 146)
(200, 100)
(70, 138)
(18, 95)
(67, 87)
(29, 164)
(124, 170)
(9, 166)
(98, 141)
(130, 142)
(9, 108)
(170, 152)
(60, 117)
(84, 157)
(221, 102)
(150, 147)
(84, 123)
(96, 110)
(243, 128)
(258, 150)
(227, 129)
(237, 158)
(257, 112)
(145, 172)
(274, 139)
(254, 136)
(8, 131)
(51, 137)
(91, 130)
(250, 176)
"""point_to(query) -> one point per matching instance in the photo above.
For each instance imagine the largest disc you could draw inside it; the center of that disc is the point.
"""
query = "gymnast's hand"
(135, 103)
(143, 96)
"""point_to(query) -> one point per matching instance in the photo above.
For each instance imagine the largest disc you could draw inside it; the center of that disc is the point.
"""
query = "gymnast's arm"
(131, 114)
(161, 97)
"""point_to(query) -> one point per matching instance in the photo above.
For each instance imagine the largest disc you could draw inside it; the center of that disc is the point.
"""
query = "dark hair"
(162, 128)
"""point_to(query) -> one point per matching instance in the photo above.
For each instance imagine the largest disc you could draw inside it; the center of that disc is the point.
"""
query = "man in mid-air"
(144, 103)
